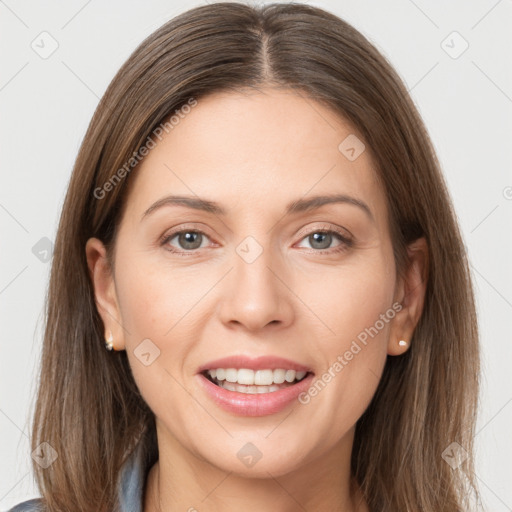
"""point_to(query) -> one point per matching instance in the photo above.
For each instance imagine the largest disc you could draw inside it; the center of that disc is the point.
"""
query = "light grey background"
(46, 105)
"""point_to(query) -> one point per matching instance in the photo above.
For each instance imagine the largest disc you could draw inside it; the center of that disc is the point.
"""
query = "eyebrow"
(298, 206)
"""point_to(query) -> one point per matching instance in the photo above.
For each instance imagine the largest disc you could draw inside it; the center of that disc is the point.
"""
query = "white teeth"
(279, 376)
(229, 385)
(250, 390)
(263, 377)
(260, 378)
(290, 375)
(245, 376)
(231, 375)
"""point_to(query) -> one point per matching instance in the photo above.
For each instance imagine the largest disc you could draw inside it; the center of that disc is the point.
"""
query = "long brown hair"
(88, 406)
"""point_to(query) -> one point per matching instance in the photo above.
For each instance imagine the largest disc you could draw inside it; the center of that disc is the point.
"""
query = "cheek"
(350, 298)
(355, 303)
(364, 299)
(154, 297)
(153, 306)
(158, 338)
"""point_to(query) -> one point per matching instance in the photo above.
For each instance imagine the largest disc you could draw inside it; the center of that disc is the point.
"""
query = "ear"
(410, 294)
(105, 291)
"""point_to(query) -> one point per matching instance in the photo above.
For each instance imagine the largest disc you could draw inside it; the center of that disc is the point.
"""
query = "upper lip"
(254, 363)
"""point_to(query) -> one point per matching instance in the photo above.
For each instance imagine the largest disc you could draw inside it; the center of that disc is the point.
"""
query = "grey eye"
(320, 240)
(189, 240)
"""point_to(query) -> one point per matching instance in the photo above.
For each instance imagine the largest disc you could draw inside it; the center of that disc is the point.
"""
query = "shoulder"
(34, 505)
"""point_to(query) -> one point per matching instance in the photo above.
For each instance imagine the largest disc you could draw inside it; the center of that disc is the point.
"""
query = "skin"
(254, 153)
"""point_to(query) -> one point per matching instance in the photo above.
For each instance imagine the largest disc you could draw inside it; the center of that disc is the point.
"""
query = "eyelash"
(345, 244)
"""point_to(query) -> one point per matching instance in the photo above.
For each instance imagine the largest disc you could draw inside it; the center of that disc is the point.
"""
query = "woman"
(257, 225)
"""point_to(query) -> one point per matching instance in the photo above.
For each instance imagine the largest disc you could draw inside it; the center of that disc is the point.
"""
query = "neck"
(180, 481)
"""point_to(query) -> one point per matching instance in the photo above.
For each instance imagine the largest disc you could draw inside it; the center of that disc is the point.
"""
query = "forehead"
(257, 150)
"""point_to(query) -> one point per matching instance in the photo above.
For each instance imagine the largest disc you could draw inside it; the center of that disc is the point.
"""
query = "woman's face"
(256, 280)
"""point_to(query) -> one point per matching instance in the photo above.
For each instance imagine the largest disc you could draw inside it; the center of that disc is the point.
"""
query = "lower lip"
(261, 404)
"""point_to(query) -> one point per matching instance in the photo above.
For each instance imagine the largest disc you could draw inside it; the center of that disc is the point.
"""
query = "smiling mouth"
(254, 382)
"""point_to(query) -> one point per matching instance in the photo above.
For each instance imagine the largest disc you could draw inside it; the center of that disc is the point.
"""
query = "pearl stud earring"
(402, 343)
(109, 341)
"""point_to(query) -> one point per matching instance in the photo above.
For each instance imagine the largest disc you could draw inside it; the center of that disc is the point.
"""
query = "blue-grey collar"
(132, 480)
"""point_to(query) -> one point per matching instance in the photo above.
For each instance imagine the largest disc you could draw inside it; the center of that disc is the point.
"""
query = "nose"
(255, 295)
